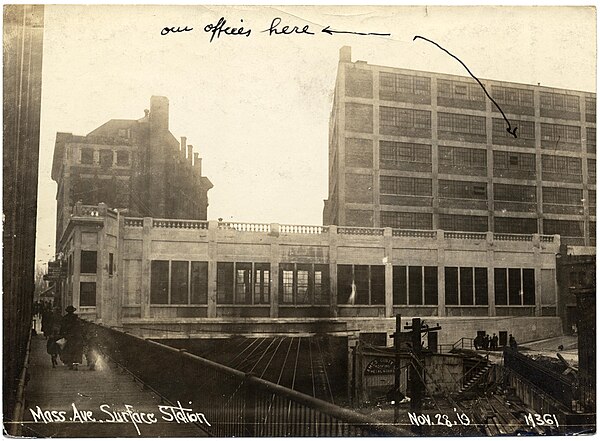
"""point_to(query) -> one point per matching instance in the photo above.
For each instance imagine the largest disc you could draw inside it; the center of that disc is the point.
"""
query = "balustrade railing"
(86, 210)
(414, 233)
(134, 222)
(233, 403)
(464, 235)
(513, 237)
(358, 231)
(546, 238)
(181, 224)
(303, 229)
(242, 226)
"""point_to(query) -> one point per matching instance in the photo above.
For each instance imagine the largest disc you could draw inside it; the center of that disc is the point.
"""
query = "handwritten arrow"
(331, 32)
(509, 129)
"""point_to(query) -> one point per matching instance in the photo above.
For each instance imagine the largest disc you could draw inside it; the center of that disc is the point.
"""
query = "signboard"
(380, 366)
(56, 271)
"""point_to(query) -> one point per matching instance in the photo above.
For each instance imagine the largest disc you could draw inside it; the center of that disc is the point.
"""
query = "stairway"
(485, 366)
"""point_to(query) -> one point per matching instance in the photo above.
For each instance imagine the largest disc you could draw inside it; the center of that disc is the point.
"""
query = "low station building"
(190, 278)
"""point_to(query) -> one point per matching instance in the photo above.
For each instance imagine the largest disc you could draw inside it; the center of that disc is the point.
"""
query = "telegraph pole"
(397, 369)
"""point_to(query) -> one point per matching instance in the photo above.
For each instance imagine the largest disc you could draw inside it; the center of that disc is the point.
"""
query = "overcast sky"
(257, 108)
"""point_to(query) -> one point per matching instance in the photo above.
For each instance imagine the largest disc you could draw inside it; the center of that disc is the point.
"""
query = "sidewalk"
(73, 396)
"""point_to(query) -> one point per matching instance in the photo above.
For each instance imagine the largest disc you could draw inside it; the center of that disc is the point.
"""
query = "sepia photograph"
(306, 221)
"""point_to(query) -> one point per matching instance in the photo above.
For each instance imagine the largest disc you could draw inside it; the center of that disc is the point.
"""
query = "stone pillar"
(73, 299)
(103, 285)
(537, 265)
(490, 274)
(333, 237)
(441, 264)
(213, 228)
(389, 273)
(274, 282)
(146, 250)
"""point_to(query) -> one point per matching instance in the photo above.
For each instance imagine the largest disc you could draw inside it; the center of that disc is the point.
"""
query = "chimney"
(190, 156)
(159, 112)
(198, 163)
(182, 146)
(346, 54)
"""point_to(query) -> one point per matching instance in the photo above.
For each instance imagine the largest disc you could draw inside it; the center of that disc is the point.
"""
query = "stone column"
(274, 273)
(213, 228)
(333, 237)
(389, 273)
(146, 250)
(441, 264)
(490, 274)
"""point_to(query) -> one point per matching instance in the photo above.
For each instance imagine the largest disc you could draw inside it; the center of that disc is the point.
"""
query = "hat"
(71, 308)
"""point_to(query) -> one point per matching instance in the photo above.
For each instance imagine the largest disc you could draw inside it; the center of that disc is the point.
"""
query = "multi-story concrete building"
(136, 165)
(412, 149)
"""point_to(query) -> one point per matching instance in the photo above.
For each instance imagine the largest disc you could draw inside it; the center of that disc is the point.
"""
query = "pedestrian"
(486, 342)
(512, 342)
(494, 342)
(71, 330)
(477, 342)
(47, 322)
(53, 349)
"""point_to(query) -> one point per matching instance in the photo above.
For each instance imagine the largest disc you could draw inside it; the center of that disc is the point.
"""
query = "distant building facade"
(412, 149)
(136, 165)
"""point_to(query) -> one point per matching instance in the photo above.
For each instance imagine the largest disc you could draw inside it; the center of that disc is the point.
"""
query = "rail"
(136, 222)
(181, 224)
(432, 234)
(464, 235)
(234, 403)
(469, 343)
(247, 227)
(513, 237)
(303, 229)
(360, 231)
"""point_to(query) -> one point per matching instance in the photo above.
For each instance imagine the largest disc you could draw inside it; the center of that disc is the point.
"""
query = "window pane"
(399, 285)
(287, 284)
(243, 284)
(159, 282)
(451, 275)
(514, 286)
(528, 286)
(225, 283)
(377, 285)
(179, 283)
(361, 280)
(261, 283)
(88, 262)
(87, 294)
(481, 286)
(321, 284)
(303, 296)
(199, 280)
(345, 286)
(415, 285)
(500, 286)
(431, 285)
(466, 286)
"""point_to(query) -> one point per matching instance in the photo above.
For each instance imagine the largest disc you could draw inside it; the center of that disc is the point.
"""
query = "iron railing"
(234, 403)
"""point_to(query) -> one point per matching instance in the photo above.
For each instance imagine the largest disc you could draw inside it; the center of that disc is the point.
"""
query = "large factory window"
(199, 283)
(88, 262)
(418, 284)
(303, 284)
(361, 285)
(249, 281)
(159, 282)
(514, 286)
(466, 286)
(172, 282)
(87, 294)
(179, 282)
